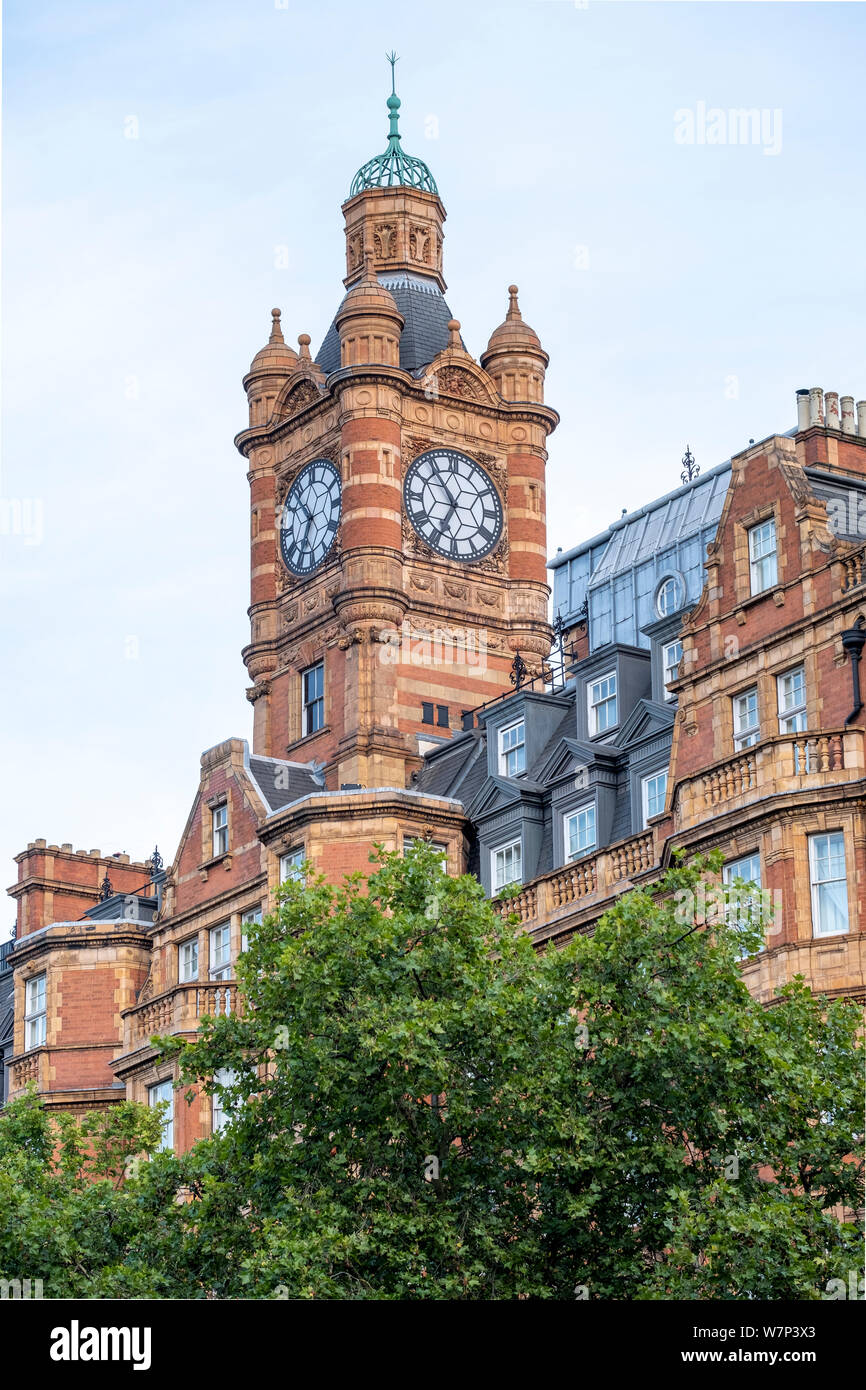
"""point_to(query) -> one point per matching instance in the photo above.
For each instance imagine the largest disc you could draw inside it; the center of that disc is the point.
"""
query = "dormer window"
(602, 704)
(507, 865)
(763, 566)
(512, 749)
(654, 792)
(580, 832)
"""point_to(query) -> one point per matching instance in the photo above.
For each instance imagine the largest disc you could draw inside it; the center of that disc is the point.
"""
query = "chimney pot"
(816, 406)
(848, 422)
(802, 409)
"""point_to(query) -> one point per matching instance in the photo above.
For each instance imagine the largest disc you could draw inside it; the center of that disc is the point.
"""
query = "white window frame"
(313, 708)
(219, 959)
(661, 772)
(509, 846)
(746, 735)
(35, 1011)
(792, 715)
(186, 975)
(252, 914)
(743, 869)
(588, 814)
(817, 883)
(763, 558)
(164, 1091)
(220, 830)
(438, 845)
(512, 750)
(290, 865)
(671, 669)
(593, 705)
(219, 1115)
(670, 582)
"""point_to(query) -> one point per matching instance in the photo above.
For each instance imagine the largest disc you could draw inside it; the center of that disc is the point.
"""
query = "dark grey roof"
(423, 306)
(124, 907)
(281, 783)
(456, 768)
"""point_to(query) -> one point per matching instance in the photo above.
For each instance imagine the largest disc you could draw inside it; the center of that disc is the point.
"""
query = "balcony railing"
(179, 1010)
(31, 1066)
(596, 876)
(853, 570)
(780, 765)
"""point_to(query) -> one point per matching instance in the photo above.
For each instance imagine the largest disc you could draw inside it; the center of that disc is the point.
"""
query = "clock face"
(453, 505)
(310, 517)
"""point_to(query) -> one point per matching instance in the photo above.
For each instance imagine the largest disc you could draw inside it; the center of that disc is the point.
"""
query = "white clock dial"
(310, 517)
(453, 505)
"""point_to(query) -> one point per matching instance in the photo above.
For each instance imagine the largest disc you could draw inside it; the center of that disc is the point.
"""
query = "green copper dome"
(394, 167)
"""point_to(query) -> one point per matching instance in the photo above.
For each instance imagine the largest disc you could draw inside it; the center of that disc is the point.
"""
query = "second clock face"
(453, 505)
(311, 515)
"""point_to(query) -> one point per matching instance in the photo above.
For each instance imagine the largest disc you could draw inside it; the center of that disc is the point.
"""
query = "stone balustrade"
(777, 766)
(179, 1010)
(597, 876)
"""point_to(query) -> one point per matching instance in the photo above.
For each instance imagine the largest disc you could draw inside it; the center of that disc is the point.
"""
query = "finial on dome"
(304, 344)
(513, 306)
(454, 333)
(276, 330)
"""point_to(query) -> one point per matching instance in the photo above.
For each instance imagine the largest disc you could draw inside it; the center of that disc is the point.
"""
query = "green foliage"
(425, 1107)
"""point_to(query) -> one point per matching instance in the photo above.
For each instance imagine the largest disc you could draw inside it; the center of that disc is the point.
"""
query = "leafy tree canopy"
(423, 1106)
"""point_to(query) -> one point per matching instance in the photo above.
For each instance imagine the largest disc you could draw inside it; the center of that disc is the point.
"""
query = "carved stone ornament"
(301, 396)
(421, 244)
(458, 591)
(488, 597)
(255, 692)
(415, 446)
(451, 381)
(385, 241)
(420, 581)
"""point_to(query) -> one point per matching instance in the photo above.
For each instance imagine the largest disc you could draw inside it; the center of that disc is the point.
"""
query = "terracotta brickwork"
(58, 884)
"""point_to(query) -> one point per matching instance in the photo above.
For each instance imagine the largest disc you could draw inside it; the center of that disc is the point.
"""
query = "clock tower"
(397, 487)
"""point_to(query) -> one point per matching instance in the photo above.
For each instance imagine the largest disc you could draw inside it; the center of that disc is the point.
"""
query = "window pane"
(507, 865)
(829, 885)
(580, 832)
(290, 865)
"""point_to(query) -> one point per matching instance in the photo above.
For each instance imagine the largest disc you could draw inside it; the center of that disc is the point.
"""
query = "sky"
(171, 171)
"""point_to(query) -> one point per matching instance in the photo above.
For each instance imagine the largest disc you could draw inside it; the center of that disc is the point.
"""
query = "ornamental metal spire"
(393, 167)
(690, 468)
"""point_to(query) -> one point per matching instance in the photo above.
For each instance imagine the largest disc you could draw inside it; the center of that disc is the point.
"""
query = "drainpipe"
(853, 640)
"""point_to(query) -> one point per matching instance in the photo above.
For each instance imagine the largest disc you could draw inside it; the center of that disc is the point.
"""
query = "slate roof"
(457, 768)
(281, 783)
(424, 308)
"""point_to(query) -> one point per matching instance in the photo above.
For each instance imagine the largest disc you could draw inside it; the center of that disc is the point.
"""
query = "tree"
(423, 1106)
(72, 1209)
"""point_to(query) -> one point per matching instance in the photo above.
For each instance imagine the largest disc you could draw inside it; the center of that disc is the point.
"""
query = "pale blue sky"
(139, 275)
